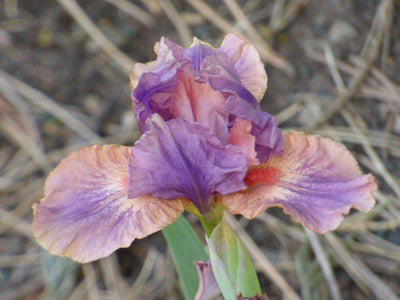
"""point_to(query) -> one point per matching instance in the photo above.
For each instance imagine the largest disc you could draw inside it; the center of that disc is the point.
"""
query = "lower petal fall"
(316, 181)
(86, 214)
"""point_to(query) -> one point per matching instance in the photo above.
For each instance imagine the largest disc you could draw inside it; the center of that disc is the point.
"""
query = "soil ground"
(340, 79)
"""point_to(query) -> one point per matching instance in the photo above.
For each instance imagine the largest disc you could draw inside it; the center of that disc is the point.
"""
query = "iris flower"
(206, 142)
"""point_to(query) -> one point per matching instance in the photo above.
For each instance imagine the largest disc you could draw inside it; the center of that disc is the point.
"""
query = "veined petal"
(181, 159)
(197, 52)
(247, 63)
(198, 102)
(86, 214)
(316, 180)
(219, 72)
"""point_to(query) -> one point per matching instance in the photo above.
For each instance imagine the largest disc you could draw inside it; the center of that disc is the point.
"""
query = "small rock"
(5, 38)
(312, 111)
(341, 31)
(45, 37)
(396, 127)
(91, 103)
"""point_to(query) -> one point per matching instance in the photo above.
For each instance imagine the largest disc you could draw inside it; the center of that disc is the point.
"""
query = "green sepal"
(231, 264)
(185, 247)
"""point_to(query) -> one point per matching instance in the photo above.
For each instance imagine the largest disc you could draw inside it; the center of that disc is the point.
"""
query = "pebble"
(341, 31)
(5, 38)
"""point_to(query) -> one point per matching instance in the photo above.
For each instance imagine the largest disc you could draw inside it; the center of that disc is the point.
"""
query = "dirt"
(40, 44)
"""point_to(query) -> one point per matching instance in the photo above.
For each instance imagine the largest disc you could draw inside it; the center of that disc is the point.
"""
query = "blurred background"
(333, 70)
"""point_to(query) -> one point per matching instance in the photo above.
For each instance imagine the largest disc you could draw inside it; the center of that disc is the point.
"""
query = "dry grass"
(39, 126)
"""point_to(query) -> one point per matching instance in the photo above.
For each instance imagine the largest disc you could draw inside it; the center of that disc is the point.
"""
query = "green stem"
(210, 219)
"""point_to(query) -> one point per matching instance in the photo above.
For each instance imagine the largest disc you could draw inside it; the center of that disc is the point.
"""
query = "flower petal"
(247, 63)
(233, 72)
(180, 159)
(240, 136)
(208, 286)
(154, 82)
(197, 52)
(198, 102)
(137, 70)
(218, 70)
(86, 215)
(169, 56)
(316, 180)
(269, 140)
(152, 95)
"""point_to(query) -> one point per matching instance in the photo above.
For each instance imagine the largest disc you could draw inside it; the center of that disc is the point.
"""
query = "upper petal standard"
(247, 64)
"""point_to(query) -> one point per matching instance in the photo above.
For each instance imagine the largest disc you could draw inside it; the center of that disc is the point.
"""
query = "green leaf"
(231, 264)
(59, 275)
(185, 247)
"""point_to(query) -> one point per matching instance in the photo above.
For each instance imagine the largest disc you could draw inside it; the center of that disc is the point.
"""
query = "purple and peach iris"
(205, 141)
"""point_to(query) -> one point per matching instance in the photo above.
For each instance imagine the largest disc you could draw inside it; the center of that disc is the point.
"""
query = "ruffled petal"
(269, 139)
(180, 159)
(219, 72)
(197, 52)
(240, 136)
(86, 214)
(152, 90)
(232, 74)
(247, 63)
(137, 70)
(316, 180)
(198, 102)
(152, 95)
(169, 57)
(166, 44)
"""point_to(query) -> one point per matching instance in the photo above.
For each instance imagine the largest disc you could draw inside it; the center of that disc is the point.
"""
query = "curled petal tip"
(247, 63)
